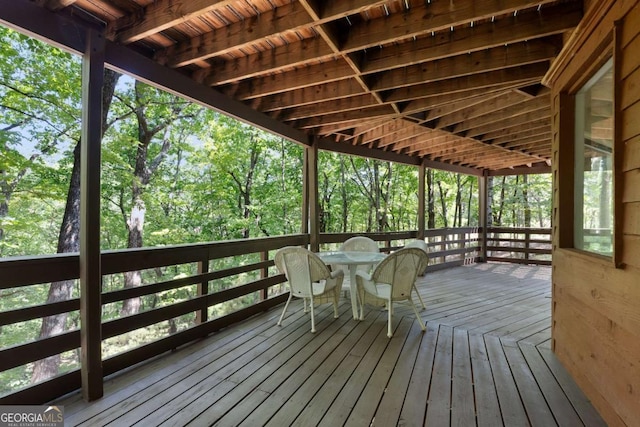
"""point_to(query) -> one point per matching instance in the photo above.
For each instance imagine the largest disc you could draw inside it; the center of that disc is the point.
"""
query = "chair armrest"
(337, 273)
(363, 275)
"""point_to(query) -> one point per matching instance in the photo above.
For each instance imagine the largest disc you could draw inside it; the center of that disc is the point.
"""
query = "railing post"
(202, 315)
(314, 208)
(421, 200)
(527, 243)
(483, 198)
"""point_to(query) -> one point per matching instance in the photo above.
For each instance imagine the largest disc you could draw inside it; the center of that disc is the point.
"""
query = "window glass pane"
(594, 164)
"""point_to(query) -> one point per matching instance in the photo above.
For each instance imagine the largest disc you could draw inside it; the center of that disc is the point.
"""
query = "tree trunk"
(68, 241)
(142, 172)
(469, 203)
(489, 201)
(525, 200)
(498, 220)
(443, 204)
(431, 214)
(457, 215)
(514, 215)
(343, 194)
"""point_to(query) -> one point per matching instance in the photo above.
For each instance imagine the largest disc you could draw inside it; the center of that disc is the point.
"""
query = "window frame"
(565, 187)
(579, 145)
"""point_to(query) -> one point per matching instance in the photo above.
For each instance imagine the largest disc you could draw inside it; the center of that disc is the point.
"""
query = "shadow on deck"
(484, 360)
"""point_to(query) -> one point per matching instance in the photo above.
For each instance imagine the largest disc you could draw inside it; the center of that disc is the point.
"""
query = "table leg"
(353, 291)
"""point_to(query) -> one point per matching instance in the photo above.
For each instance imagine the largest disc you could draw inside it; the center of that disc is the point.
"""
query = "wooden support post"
(304, 228)
(90, 271)
(421, 202)
(202, 315)
(483, 198)
(314, 208)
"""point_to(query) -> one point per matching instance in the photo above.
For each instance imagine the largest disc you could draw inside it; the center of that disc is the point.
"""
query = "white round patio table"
(352, 259)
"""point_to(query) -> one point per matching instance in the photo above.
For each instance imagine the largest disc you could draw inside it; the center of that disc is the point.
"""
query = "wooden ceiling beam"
(308, 95)
(278, 59)
(495, 103)
(501, 136)
(440, 143)
(535, 119)
(525, 26)
(346, 116)
(281, 20)
(423, 147)
(466, 64)
(398, 137)
(388, 128)
(513, 75)
(490, 158)
(528, 142)
(454, 107)
(431, 102)
(161, 15)
(423, 18)
(328, 107)
(510, 111)
(326, 72)
(330, 36)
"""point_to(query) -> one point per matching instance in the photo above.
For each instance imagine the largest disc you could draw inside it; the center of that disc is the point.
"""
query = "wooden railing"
(519, 245)
(448, 247)
(237, 278)
(258, 289)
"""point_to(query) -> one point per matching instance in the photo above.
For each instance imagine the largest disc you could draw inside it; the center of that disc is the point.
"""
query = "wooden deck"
(484, 360)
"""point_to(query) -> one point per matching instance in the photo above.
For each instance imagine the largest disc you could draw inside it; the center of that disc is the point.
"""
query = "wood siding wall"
(596, 307)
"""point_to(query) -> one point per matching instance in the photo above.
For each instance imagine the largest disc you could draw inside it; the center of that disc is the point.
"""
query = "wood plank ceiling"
(451, 81)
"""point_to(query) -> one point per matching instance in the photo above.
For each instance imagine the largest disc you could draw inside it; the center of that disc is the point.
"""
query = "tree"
(154, 112)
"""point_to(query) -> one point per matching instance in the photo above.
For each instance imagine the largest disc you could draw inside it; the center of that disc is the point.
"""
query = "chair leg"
(313, 320)
(336, 298)
(424, 307)
(415, 310)
(304, 302)
(390, 312)
(285, 309)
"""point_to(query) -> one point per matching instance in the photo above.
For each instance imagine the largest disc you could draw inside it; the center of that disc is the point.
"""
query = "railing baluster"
(203, 289)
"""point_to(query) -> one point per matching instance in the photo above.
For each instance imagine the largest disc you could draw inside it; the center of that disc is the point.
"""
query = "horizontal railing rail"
(519, 245)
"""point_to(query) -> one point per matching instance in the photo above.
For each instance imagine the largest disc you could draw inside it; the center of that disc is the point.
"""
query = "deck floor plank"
(486, 398)
(439, 403)
(484, 360)
(463, 410)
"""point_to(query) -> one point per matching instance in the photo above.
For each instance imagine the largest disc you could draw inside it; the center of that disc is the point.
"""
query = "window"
(594, 133)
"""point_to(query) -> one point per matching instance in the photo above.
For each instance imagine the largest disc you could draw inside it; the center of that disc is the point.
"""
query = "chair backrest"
(302, 268)
(400, 270)
(422, 245)
(360, 244)
(418, 244)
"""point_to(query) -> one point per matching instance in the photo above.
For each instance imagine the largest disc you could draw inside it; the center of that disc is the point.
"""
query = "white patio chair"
(391, 281)
(356, 244)
(309, 278)
(422, 269)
